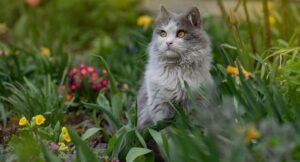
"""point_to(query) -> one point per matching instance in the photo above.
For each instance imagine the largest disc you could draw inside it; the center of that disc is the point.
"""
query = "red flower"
(79, 73)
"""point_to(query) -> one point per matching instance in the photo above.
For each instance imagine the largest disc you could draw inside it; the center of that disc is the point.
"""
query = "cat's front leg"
(160, 111)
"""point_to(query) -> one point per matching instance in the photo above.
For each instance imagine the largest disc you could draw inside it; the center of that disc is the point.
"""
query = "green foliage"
(52, 23)
(26, 148)
(30, 100)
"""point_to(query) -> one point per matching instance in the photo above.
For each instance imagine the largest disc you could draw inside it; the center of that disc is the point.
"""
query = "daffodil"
(144, 21)
(45, 52)
(23, 121)
(39, 119)
(252, 133)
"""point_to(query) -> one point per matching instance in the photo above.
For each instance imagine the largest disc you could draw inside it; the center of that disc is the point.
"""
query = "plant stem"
(250, 33)
(222, 8)
(237, 5)
(284, 16)
(267, 31)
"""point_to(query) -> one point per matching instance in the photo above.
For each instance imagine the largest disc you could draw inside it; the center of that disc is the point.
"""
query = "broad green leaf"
(116, 105)
(161, 141)
(89, 133)
(103, 102)
(136, 152)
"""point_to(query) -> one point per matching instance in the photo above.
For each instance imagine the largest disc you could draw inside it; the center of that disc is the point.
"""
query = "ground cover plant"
(68, 85)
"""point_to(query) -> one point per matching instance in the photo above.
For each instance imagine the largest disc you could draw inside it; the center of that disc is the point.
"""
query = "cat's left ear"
(194, 17)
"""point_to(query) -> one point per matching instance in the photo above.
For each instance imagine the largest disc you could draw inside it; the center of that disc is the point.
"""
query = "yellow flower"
(235, 71)
(67, 138)
(39, 119)
(64, 130)
(252, 133)
(62, 146)
(65, 134)
(272, 20)
(23, 121)
(45, 51)
(144, 21)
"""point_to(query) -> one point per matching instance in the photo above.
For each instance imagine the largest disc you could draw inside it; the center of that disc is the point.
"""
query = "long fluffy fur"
(168, 70)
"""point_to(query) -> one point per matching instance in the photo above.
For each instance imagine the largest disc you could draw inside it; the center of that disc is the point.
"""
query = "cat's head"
(178, 35)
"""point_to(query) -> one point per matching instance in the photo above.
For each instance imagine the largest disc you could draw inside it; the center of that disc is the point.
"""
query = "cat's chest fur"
(167, 81)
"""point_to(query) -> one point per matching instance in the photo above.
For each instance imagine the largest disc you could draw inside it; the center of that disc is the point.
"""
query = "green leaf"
(111, 144)
(83, 152)
(89, 133)
(113, 84)
(111, 118)
(161, 141)
(48, 155)
(117, 106)
(103, 102)
(141, 139)
(3, 116)
(136, 152)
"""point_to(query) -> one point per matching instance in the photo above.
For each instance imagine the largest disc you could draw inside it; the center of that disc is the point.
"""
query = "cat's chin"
(171, 54)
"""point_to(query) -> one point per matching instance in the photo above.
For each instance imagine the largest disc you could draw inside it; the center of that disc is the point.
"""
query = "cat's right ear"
(164, 13)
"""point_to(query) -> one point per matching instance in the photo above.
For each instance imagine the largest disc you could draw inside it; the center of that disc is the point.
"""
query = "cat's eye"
(180, 34)
(163, 33)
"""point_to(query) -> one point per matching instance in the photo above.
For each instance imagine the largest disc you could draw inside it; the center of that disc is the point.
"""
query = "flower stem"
(267, 31)
(222, 8)
(250, 33)
(284, 15)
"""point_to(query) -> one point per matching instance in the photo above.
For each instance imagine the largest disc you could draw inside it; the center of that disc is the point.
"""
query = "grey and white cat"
(179, 53)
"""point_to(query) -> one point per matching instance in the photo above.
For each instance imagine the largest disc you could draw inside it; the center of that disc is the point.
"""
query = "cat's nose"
(169, 44)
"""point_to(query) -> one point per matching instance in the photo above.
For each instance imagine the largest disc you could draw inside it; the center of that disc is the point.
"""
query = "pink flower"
(53, 146)
(33, 3)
